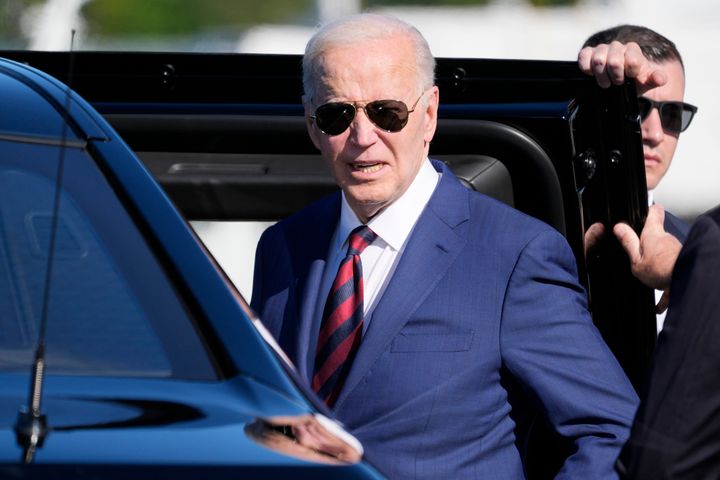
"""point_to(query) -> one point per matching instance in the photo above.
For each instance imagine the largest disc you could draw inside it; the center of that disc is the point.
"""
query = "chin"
(371, 205)
(363, 195)
(365, 207)
(653, 182)
(653, 179)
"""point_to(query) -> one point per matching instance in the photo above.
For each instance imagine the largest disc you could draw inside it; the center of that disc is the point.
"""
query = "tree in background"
(111, 18)
(465, 3)
(11, 14)
(123, 19)
(177, 17)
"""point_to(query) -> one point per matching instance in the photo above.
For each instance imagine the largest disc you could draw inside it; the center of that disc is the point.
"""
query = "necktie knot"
(360, 238)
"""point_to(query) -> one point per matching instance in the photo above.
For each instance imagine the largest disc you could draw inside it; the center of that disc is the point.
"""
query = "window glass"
(111, 309)
(25, 112)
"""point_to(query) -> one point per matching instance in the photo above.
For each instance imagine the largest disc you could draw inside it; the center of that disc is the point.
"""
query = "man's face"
(659, 145)
(373, 167)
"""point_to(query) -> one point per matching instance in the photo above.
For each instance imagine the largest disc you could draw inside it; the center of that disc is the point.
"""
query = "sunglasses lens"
(645, 107)
(671, 117)
(687, 116)
(334, 118)
(390, 115)
(675, 117)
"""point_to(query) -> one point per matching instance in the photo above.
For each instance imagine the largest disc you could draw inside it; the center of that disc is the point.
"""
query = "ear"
(313, 132)
(431, 112)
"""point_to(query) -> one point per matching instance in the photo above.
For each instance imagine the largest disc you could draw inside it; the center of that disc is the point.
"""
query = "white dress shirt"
(393, 226)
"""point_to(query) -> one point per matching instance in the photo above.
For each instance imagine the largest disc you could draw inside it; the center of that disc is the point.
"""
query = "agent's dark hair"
(654, 46)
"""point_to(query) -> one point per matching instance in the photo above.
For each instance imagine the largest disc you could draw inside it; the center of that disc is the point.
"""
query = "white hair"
(355, 29)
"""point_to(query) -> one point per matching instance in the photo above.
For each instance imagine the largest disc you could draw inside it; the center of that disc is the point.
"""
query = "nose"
(651, 128)
(362, 131)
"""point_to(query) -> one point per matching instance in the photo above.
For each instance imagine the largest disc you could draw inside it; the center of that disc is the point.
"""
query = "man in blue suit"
(433, 320)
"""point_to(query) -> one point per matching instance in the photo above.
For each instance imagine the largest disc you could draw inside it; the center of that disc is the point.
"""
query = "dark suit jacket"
(482, 321)
(677, 431)
(675, 226)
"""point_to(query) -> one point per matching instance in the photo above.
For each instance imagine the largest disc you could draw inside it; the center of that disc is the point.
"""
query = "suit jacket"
(675, 226)
(677, 430)
(679, 229)
(482, 324)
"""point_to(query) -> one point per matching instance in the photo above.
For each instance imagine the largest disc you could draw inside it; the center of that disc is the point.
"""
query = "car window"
(111, 309)
(27, 113)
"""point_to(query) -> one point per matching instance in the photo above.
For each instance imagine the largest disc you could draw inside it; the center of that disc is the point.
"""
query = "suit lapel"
(678, 228)
(431, 249)
(316, 231)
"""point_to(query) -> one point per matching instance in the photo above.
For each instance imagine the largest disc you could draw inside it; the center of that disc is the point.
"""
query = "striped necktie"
(341, 327)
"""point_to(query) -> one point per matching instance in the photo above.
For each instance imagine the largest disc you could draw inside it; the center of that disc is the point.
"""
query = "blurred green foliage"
(438, 3)
(11, 12)
(119, 18)
(554, 3)
(168, 17)
(424, 3)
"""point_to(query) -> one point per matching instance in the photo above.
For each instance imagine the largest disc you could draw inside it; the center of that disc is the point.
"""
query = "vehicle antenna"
(31, 427)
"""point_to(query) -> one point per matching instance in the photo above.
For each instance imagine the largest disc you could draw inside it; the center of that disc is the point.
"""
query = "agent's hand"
(613, 63)
(307, 437)
(652, 255)
(593, 235)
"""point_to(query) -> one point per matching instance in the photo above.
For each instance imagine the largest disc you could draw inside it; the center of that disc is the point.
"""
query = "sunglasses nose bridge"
(357, 109)
(356, 116)
(362, 130)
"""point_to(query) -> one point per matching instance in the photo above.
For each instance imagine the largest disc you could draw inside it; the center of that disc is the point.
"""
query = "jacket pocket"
(432, 342)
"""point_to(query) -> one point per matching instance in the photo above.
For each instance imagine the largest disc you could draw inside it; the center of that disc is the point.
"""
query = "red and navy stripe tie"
(342, 322)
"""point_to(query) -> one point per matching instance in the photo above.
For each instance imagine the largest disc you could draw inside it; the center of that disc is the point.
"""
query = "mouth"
(366, 167)
(651, 160)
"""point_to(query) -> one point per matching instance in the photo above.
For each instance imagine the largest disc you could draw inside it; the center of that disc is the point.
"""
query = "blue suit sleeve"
(551, 347)
(256, 301)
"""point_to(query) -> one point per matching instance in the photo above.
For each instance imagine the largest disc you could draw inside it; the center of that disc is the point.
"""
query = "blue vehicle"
(154, 365)
(124, 350)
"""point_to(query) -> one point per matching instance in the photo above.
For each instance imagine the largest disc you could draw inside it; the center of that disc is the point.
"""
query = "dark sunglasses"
(390, 115)
(675, 117)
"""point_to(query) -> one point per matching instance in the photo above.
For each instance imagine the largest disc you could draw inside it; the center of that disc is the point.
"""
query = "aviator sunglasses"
(675, 117)
(390, 115)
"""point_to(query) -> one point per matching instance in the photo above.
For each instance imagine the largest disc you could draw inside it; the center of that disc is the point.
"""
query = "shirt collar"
(395, 222)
